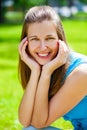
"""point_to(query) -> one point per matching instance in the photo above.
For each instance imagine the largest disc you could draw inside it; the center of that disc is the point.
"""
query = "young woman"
(54, 78)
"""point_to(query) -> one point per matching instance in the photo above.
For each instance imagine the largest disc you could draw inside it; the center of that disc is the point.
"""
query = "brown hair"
(39, 14)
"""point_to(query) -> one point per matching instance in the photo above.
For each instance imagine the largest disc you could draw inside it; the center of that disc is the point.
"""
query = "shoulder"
(77, 64)
(78, 76)
(77, 58)
(76, 82)
(81, 73)
(77, 55)
(80, 70)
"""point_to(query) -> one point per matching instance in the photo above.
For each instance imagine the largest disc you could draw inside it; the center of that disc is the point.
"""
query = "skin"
(43, 42)
(34, 107)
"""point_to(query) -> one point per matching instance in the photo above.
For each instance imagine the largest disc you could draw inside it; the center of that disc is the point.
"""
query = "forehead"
(43, 28)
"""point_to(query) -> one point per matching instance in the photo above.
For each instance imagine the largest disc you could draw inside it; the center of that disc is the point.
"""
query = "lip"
(43, 55)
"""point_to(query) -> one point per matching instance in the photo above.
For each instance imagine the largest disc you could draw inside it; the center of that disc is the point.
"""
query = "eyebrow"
(49, 35)
(32, 36)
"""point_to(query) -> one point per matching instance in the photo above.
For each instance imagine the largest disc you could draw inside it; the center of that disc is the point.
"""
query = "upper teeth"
(43, 54)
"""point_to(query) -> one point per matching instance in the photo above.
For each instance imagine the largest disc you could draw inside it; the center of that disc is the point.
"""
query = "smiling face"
(43, 41)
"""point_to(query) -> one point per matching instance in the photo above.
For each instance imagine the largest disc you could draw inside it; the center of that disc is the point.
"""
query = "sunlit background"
(74, 18)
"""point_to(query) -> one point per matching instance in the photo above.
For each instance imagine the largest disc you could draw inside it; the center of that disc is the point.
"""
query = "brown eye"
(34, 39)
(50, 38)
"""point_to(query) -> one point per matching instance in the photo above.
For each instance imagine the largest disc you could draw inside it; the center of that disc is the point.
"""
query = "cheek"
(31, 47)
(55, 47)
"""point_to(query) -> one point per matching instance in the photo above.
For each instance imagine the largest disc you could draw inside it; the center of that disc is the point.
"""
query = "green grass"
(76, 35)
(10, 88)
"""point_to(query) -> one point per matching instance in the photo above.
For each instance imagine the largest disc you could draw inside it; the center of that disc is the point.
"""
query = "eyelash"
(34, 39)
(50, 38)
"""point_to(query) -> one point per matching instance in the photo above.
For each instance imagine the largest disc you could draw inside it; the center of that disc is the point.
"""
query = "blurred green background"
(11, 19)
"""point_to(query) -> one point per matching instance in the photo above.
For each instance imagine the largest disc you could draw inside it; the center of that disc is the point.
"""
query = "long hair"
(39, 14)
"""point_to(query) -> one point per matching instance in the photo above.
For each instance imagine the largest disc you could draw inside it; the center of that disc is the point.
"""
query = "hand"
(59, 60)
(28, 60)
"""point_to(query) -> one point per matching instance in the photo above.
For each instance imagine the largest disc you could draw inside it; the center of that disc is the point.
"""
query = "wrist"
(47, 71)
(45, 74)
(35, 72)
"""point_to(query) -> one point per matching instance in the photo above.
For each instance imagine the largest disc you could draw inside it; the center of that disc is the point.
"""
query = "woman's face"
(43, 41)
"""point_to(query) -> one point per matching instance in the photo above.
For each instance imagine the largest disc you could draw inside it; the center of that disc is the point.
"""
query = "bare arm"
(71, 93)
(40, 112)
(27, 102)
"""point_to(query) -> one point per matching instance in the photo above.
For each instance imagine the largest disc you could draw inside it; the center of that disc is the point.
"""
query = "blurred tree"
(26, 4)
(18, 5)
(1, 12)
(21, 4)
(70, 3)
(83, 1)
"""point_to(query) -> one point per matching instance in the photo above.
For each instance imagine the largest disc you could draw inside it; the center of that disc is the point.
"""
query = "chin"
(43, 63)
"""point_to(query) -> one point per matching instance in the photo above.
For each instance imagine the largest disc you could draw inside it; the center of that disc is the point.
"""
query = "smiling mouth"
(43, 55)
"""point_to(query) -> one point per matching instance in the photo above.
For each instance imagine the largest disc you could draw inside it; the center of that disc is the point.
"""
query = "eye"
(50, 38)
(34, 39)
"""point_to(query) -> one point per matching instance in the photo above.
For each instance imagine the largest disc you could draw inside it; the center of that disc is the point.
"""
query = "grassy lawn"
(10, 89)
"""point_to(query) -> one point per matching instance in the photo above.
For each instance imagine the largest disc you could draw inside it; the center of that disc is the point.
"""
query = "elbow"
(39, 124)
(23, 122)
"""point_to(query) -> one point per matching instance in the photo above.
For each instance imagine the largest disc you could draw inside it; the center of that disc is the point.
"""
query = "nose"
(43, 45)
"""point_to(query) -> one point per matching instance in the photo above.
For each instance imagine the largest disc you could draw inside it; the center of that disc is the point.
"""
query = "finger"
(60, 47)
(23, 50)
(61, 53)
(21, 44)
(63, 46)
(65, 51)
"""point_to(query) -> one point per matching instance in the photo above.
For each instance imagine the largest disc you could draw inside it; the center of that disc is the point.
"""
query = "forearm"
(40, 112)
(27, 103)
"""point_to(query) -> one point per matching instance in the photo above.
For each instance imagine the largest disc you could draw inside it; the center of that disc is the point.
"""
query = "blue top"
(78, 115)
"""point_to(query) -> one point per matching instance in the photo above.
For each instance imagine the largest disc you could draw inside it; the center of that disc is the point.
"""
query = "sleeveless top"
(78, 115)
